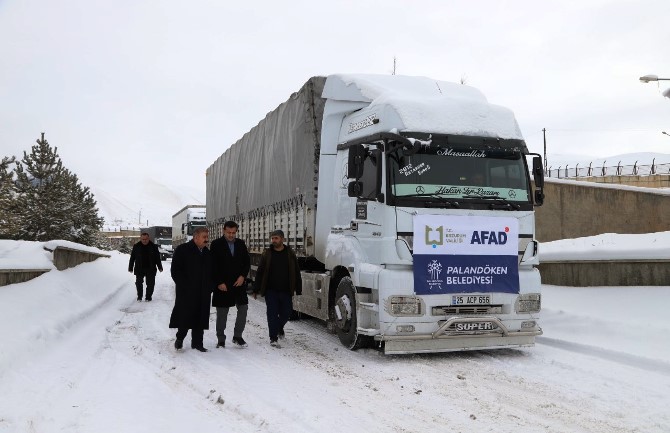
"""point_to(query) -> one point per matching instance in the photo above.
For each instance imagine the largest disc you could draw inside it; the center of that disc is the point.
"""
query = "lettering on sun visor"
(472, 154)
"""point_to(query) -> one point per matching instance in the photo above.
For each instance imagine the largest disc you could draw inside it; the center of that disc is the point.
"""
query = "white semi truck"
(185, 221)
(409, 204)
(162, 237)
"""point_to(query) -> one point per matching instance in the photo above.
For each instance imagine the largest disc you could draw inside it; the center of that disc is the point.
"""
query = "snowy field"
(80, 354)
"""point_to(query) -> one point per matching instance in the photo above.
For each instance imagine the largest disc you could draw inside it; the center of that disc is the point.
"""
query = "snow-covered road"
(116, 371)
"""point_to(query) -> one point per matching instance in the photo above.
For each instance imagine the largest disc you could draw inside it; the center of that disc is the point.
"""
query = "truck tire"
(345, 321)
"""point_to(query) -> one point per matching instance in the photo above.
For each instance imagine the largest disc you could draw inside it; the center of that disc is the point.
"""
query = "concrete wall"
(14, 276)
(607, 273)
(65, 258)
(655, 181)
(578, 209)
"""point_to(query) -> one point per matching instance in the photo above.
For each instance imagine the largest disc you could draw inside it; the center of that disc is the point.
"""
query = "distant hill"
(142, 202)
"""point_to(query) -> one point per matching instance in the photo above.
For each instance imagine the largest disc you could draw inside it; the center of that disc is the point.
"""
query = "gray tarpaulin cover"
(275, 161)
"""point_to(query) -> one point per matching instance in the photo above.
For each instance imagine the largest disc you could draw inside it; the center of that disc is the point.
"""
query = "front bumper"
(443, 340)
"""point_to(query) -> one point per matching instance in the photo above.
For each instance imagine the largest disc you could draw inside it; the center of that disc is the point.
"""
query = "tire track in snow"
(608, 355)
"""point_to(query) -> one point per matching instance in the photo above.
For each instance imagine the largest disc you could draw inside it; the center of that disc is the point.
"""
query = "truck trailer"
(185, 221)
(161, 236)
(410, 206)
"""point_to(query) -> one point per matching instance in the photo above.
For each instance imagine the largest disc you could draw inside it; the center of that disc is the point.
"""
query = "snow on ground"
(80, 354)
(608, 246)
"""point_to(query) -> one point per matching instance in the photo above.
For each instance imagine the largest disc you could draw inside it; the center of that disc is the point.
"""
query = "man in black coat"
(191, 271)
(230, 266)
(145, 258)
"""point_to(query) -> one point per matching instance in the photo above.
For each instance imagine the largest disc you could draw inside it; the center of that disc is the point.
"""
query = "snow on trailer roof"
(427, 105)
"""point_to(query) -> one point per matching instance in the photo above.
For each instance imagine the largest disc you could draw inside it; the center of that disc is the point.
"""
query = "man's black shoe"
(148, 299)
(221, 344)
(239, 342)
(178, 344)
(281, 334)
(139, 299)
(200, 348)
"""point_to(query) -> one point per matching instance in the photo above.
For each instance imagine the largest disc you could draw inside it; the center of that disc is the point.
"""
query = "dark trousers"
(151, 282)
(279, 308)
(196, 336)
(222, 318)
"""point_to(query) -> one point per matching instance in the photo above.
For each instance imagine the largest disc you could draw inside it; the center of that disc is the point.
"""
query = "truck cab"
(428, 227)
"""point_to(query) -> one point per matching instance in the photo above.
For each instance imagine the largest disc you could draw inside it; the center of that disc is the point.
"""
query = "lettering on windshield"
(454, 190)
(472, 154)
(410, 169)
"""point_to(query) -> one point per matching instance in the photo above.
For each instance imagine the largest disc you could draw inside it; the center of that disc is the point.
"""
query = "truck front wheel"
(345, 315)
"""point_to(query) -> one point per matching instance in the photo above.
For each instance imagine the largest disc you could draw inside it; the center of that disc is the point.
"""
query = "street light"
(648, 78)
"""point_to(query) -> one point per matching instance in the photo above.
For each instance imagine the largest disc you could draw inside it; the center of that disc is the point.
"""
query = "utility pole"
(544, 136)
(394, 65)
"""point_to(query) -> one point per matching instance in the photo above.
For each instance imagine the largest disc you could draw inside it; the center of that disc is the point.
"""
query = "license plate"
(470, 299)
(475, 326)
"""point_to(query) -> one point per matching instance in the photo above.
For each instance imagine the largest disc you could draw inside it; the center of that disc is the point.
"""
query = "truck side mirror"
(355, 189)
(538, 172)
(356, 159)
(183, 226)
(538, 175)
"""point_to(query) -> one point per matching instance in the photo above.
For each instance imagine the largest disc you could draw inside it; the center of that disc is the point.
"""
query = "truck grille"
(452, 310)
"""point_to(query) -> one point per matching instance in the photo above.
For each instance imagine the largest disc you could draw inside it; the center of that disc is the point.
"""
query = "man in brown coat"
(278, 279)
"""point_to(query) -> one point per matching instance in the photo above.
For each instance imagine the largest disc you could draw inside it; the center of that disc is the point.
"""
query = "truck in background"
(161, 236)
(185, 221)
(409, 204)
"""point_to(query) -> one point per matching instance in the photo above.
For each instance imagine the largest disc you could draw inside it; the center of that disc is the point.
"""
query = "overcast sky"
(162, 88)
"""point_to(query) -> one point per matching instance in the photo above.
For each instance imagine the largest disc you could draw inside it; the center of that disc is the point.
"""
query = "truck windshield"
(193, 225)
(465, 174)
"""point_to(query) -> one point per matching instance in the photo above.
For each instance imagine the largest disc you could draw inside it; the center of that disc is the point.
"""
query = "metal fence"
(611, 170)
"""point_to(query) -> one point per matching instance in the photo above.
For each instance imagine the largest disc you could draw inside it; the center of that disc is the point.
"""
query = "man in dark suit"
(145, 258)
(230, 266)
(191, 271)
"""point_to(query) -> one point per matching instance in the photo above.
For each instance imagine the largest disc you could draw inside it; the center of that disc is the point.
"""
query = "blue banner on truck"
(465, 254)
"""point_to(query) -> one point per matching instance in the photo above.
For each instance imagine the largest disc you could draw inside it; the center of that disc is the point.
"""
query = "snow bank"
(608, 246)
(38, 311)
(24, 255)
(52, 245)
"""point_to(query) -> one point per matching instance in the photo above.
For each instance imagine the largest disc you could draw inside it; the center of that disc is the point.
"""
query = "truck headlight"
(405, 306)
(528, 303)
(528, 324)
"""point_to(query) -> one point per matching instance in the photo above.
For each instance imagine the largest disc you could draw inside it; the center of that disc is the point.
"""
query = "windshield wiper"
(503, 201)
(445, 200)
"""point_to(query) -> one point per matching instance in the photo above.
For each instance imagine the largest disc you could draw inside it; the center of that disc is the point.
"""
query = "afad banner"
(464, 254)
